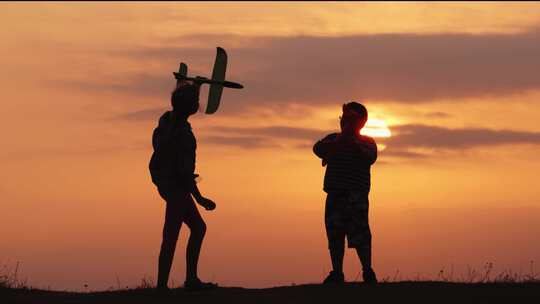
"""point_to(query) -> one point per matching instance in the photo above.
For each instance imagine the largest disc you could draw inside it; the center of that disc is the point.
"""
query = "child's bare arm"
(208, 204)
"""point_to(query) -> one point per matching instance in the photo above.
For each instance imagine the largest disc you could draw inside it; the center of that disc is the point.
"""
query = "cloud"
(314, 71)
(263, 137)
(277, 132)
(142, 115)
(405, 139)
(246, 142)
(403, 154)
(437, 114)
(423, 136)
(142, 83)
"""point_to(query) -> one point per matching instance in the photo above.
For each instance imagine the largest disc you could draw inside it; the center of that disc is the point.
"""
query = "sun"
(376, 128)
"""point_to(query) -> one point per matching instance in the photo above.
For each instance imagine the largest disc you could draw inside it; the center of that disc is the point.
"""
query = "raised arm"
(323, 147)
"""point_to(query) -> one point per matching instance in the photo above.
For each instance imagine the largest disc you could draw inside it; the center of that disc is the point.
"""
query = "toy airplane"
(217, 82)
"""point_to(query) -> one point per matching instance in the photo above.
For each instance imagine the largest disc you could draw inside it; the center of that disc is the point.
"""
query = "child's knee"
(169, 242)
(199, 229)
(170, 235)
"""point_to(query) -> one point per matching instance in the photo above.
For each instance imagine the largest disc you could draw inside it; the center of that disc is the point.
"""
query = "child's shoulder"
(367, 139)
(165, 118)
(330, 136)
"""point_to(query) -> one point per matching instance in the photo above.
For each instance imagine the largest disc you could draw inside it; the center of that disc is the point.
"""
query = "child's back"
(349, 166)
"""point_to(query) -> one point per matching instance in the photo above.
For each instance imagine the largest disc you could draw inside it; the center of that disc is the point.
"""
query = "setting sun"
(376, 128)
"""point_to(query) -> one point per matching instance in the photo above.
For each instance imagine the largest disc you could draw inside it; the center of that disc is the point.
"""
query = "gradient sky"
(83, 85)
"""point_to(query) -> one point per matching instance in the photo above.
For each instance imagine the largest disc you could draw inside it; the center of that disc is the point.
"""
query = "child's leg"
(364, 254)
(335, 232)
(197, 228)
(171, 230)
(337, 250)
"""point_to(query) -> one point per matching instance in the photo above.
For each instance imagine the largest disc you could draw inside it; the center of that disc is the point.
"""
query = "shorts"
(180, 209)
(346, 215)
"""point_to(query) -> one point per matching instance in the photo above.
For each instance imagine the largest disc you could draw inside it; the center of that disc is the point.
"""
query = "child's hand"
(207, 204)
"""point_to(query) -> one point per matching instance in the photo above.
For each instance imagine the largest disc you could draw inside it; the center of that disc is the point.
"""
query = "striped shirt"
(348, 162)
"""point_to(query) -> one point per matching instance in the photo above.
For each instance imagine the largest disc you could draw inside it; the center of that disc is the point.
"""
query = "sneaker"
(369, 276)
(196, 284)
(334, 278)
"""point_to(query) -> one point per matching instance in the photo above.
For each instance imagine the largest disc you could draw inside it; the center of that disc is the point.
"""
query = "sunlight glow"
(376, 128)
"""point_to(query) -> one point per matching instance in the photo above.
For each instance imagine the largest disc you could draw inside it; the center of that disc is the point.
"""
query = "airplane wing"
(218, 75)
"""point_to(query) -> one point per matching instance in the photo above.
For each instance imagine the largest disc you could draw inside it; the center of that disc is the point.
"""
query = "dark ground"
(401, 292)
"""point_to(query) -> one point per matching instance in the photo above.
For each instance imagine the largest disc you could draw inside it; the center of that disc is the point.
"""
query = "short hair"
(356, 107)
(185, 99)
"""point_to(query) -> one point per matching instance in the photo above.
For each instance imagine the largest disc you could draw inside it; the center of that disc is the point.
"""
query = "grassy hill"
(399, 292)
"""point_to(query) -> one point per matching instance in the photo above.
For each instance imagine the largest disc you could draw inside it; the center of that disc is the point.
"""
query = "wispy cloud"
(405, 68)
(402, 144)
(142, 115)
(278, 132)
(437, 114)
(246, 142)
(423, 136)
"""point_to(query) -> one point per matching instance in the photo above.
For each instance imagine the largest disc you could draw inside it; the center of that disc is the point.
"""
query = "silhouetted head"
(354, 117)
(185, 100)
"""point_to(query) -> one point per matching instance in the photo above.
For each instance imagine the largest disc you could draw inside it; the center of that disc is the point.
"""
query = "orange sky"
(83, 85)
